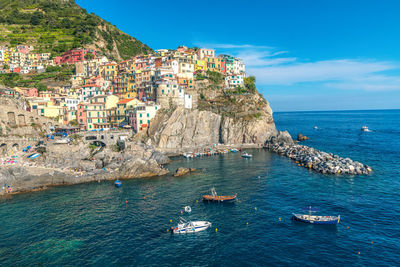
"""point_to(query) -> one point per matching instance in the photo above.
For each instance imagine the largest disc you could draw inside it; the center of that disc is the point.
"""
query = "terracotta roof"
(124, 101)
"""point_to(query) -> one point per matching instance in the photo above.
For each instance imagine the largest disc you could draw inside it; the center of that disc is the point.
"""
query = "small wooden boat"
(215, 198)
(315, 219)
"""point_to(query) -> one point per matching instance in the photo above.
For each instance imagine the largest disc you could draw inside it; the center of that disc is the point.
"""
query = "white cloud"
(319, 71)
(369, 83)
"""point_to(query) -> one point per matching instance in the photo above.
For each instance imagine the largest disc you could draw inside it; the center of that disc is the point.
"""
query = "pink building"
(81, 116)
(30, 92)
(73, 56)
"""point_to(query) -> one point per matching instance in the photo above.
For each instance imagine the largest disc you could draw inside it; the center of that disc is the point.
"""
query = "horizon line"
(331, 110)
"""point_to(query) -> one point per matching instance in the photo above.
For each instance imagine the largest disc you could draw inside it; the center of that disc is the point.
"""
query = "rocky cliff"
(221, 117)
(72, 164)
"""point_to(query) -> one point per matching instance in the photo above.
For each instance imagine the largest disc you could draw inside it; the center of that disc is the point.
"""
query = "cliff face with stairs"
(223, 117)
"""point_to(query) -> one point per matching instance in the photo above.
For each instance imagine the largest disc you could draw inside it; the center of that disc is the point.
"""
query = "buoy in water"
(144, 197)
(359, 253)
(216, 229)
(181, 212)
(117, 183)
(255, 208)
(126, 201)
(348, 227)
(197, 201)
(247, 223)
(280, 219)
(170, 220)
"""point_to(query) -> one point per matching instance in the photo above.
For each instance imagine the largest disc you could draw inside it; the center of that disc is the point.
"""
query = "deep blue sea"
(91, 224)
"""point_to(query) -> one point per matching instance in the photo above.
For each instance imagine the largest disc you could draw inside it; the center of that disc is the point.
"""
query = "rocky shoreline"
(323, 162)
(69, 164)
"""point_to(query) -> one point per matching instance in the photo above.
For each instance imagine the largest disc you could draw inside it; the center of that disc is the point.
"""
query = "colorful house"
(140, 116)
(73, 56)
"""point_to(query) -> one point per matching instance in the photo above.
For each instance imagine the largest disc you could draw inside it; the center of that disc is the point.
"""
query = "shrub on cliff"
(215, 77)
(250, 83)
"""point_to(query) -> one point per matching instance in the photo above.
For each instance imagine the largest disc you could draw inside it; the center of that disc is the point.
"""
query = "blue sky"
(306, 55)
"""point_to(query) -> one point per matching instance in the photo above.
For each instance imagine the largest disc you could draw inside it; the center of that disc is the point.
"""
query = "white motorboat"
(365, 129)
(62, 141)
(188, 155)
(185, 227)
(246, 155)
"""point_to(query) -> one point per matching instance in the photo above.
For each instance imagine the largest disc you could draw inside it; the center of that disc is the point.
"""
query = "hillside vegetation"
(53, 76)
(59, 25)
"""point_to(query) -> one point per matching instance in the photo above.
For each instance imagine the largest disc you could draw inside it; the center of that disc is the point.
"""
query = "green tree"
(250, 83)
(36, 18)
(89, 56)
(66, 23)
(41, 86)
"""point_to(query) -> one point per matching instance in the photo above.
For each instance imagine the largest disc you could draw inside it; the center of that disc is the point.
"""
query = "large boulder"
(183, 171)
(301, 137)
(282, 137)
(139, 168)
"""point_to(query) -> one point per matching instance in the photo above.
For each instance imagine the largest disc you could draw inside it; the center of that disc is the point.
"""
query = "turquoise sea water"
(91, 224)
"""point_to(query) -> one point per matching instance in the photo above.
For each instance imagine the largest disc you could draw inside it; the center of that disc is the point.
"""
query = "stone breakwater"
(319, 161)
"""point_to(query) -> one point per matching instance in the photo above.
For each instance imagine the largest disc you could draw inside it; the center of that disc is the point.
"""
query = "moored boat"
(315, 219)
(185, 227)
(188, 155)
(215, 198)
(246, 155)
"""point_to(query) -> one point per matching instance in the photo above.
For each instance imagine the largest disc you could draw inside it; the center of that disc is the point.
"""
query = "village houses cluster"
(104, 94)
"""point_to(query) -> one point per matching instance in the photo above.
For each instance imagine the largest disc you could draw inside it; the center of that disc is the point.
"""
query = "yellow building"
(96, 111)
(200, 65)
(119, 115)
(108, 71)
(213, 64)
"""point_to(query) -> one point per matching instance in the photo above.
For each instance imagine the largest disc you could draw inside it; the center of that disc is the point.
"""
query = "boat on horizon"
(365, 129)
(185, 227)
(315, 219)
(215, 198)
(246, 155)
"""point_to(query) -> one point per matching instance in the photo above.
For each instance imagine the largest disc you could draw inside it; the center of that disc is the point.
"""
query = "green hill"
(59, 25)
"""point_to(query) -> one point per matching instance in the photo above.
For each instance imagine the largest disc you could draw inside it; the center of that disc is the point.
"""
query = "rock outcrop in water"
(314, 159)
